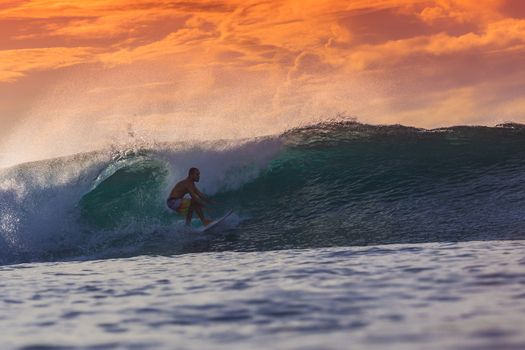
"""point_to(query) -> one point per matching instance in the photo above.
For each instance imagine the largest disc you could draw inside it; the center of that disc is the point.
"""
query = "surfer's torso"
(181, 189)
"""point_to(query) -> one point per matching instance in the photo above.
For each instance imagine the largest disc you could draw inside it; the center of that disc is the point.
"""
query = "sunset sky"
(75, 74)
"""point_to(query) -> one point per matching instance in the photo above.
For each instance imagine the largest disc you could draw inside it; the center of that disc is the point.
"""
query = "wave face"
(332, 184)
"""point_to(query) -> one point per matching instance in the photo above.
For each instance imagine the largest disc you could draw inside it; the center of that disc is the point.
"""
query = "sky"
(75, 75)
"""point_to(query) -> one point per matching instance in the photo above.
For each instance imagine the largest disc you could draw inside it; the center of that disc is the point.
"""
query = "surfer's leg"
(189, 215)
(200, 213)
(183, 207)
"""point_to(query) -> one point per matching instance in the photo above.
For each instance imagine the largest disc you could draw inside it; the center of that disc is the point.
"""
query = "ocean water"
(344, 235)
(417, 296)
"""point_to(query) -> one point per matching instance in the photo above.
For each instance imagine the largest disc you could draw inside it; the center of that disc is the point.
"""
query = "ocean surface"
(345, 235)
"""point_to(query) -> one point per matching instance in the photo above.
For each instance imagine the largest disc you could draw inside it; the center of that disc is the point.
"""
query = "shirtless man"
(181, 205)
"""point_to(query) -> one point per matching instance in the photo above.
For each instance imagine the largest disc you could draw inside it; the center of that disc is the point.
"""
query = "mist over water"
(329, 184)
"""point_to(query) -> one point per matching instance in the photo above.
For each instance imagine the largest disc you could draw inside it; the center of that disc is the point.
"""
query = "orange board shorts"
(180, 205)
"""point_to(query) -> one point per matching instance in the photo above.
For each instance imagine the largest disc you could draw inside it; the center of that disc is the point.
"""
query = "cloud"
(252, 34)
(15, 64)
(504, 37)
(458, 10)
(313, 38)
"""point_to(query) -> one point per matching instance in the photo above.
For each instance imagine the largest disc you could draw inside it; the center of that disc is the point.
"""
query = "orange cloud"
(462, 10)
(14, 64)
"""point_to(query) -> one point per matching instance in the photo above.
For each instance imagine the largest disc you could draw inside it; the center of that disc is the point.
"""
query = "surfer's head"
(194, 174)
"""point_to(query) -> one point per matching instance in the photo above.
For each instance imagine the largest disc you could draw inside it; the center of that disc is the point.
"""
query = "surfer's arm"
(203, 196)
(194, 193)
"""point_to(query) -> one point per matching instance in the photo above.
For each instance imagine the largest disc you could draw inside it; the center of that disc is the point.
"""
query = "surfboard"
(214, 223)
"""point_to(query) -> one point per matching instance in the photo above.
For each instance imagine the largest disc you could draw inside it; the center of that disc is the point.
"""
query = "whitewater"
(344, 235)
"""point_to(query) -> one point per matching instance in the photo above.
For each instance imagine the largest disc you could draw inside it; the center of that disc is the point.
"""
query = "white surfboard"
(214, 223)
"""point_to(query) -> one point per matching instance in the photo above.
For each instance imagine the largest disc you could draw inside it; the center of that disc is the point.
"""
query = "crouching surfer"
(186, 206)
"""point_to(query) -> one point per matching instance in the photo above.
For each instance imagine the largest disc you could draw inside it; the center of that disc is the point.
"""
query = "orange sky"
(75, 74)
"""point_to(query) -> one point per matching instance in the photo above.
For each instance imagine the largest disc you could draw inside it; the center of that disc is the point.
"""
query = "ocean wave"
(329, 184)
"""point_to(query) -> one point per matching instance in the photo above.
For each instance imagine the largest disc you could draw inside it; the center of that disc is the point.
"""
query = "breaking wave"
(330, 184)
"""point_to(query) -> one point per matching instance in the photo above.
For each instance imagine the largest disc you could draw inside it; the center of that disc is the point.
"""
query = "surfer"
(186, 206)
